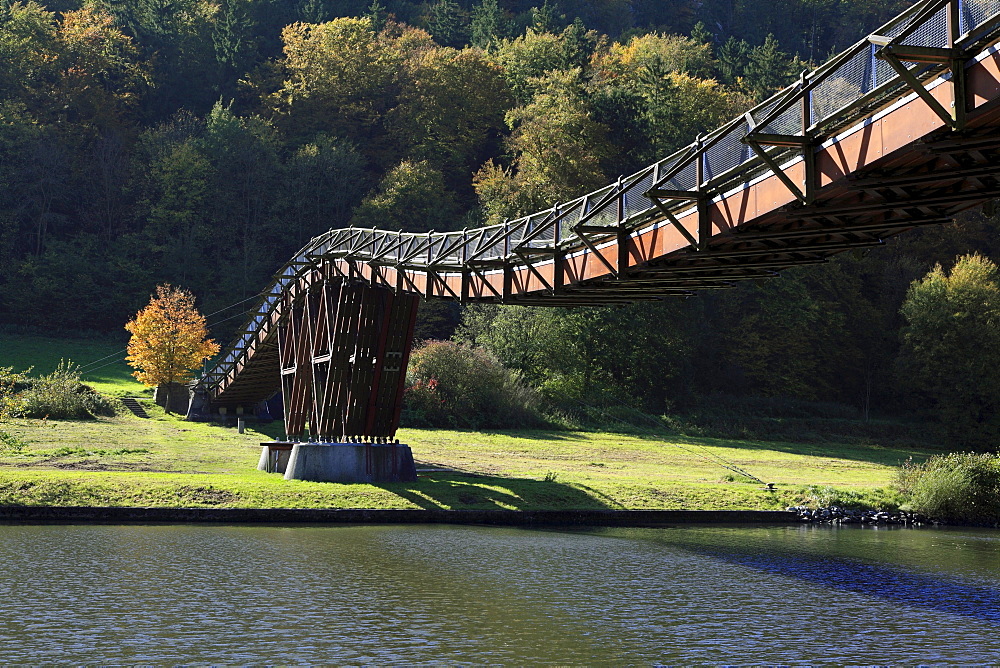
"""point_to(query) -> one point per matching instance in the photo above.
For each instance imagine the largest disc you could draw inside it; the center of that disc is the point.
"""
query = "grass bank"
(167, 462)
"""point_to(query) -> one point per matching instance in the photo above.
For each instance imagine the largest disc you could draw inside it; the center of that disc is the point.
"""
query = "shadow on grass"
(457, 490)
(887, 455)
(527, 434)
(869, 449)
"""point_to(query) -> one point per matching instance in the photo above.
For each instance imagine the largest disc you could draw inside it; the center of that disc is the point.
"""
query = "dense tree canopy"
(952, 346)
(204, 141)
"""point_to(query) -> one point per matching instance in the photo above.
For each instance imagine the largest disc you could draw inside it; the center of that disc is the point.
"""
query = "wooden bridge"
(900, 131)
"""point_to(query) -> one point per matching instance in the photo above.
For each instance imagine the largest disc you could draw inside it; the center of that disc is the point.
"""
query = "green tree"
(547, 19)
(339, 79)
(325, 181)
(178, 228)
(678, 107)
(376, 14)
(233, 40)
(29, 53)
(243, 152)
(638, 355)
(411, 197)
(773, 337)
(733, 57)
(951, 351)
(102, 80)
(768, 69)
(558, 149)
(663, 53)
(175, 37)
(528, 57)
(489, 24)
(700, 34)
(579, 45)
(446, 22)
(450, 109)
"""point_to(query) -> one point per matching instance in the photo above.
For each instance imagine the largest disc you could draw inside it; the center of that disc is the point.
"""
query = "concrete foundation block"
(351, 462)
(274, 457)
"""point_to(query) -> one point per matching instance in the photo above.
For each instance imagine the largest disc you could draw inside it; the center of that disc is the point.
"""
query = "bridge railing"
(848, 88)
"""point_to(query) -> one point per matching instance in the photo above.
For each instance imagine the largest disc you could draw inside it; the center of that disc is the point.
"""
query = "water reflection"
(469, 595)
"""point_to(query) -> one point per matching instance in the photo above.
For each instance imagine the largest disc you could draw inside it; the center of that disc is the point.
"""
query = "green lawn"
(165, 461)
(110, 374)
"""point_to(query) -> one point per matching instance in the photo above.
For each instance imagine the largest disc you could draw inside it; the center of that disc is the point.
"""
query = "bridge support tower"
(343, 350)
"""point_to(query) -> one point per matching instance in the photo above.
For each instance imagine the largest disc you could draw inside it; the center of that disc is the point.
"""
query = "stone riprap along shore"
(836, 515)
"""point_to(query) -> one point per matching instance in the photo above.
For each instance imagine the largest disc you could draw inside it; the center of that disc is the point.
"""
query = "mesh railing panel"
(765, 110)
(603, 214)
(571, 218)
(933, 32)
(788, 122)
(408, 247)
(519, 231)
(844, 85)
(433, 252)
(453, 246)
(543, 233)
(726, 154)
(976, 12)
(687, 179)
(636, 201)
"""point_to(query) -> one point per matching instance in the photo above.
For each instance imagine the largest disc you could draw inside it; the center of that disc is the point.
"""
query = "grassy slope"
(168, 462)
(44, 354)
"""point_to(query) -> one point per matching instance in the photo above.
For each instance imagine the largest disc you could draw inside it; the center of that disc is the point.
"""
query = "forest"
(201, 143)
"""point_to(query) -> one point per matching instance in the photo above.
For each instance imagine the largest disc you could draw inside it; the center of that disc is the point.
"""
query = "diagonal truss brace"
(757, 142)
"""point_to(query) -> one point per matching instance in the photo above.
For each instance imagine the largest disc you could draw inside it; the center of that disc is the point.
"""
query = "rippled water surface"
(425, 594)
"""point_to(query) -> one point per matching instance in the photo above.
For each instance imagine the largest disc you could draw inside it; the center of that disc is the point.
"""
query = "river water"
(478, 595)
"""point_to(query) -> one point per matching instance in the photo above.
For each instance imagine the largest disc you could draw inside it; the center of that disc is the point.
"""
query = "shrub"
(961, 487)
(10, 443)
(62, 395)
(455, 385)
(12, 383)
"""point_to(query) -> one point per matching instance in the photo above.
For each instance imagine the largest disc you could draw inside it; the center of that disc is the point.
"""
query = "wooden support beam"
(765, 139)
(918, 87)
(792, 250)
(838, 230)
(670, 193)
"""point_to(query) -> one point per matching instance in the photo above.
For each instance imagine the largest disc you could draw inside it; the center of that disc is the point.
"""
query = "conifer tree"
(488, 24)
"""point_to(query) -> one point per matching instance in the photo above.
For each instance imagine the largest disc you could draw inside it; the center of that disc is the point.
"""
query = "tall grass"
(961, 488)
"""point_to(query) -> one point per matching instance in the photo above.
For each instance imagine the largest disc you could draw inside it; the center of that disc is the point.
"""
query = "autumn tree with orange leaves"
(169, 339)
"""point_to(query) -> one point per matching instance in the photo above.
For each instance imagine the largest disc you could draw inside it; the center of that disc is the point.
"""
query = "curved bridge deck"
(902, 130)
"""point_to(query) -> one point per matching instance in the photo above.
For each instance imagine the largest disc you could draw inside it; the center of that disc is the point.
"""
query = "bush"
(12, 383)
(961, 488)
(61, 395)
(455, 385)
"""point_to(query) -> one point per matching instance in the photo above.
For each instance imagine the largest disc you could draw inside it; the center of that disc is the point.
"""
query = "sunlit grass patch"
(168, 462)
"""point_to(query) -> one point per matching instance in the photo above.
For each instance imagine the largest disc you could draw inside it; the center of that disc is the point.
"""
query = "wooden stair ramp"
(133, 405)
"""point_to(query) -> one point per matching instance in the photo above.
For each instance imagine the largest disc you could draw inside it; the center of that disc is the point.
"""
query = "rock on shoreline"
(837, 515)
